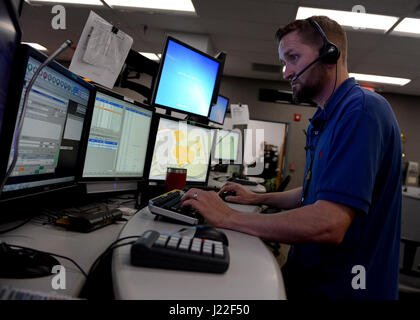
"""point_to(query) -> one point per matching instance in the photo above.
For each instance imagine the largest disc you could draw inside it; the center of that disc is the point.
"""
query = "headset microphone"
(304, 69)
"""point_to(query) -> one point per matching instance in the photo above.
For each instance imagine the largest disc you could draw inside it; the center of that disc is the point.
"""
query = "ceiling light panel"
(36, 46)
(172, 5)
(151, 56)
(80, 2)
(351, 19)
(380, 79)
(408, 26)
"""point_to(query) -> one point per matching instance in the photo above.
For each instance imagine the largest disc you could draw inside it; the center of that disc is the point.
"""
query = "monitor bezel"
(189, 122)
(158, 77)
(85, 137)
(26, 51)
(218, 160)
(12, 95)
(224, 116)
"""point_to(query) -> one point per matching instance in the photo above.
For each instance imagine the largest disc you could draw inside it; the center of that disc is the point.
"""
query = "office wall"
(241, 90)
(407, 112)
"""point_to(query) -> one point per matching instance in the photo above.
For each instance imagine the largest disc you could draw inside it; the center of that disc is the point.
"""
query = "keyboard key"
(218, 252)
(195, 249)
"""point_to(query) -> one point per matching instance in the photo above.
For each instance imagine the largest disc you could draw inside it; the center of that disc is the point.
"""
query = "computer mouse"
(211, 233)
(226, 194)
(23, 264)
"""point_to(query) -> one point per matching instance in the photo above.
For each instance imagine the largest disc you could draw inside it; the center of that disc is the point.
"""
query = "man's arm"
(280, 200)
(323, 222)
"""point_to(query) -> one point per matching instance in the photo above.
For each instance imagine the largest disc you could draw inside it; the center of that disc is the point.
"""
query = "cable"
(108, 250)
(18, 130)
(51, 254)
(335, 84)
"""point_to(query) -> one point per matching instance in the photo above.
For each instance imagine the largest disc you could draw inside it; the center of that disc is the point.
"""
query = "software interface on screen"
(187, 80)
(52, 129)
(181, 145)
(118, 138)
(218, 111)
(226, 145)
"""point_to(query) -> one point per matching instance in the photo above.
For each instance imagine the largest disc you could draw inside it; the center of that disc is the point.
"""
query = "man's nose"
(288, 74)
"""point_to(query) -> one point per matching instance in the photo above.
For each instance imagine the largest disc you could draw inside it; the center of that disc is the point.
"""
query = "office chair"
(284, 184)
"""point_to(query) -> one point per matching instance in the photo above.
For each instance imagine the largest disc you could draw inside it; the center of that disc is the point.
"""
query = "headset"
(329, 52)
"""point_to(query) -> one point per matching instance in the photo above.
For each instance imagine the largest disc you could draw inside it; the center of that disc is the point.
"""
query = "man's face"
(295, 56)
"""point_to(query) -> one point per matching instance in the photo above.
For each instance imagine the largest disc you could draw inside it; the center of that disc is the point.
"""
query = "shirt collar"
(338, 96)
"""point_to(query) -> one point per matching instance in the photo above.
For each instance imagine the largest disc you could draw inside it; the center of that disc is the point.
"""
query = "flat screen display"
(51, 135)
(218, 111)
(181, 145)
(118, 138)
(226, 145)
(186, 80)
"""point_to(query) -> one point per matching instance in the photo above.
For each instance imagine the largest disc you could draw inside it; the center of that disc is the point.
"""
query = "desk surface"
(84, 248)
(253, 272)
(412, 192)
(217, 180)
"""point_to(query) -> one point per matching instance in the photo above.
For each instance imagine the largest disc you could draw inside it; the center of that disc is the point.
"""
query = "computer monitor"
(186, 79)
(117, 143)
(53, 124)
(218, 110)
(10, 36)
(182, 144)
(226, 146)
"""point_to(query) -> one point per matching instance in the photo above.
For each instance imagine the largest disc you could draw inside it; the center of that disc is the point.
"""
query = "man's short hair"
(334, 32)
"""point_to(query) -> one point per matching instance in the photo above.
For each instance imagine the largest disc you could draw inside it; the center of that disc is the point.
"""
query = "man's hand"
(243, 195)
(210, 206)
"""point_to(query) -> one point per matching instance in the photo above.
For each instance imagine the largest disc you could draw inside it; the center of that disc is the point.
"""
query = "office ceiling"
(245, 30)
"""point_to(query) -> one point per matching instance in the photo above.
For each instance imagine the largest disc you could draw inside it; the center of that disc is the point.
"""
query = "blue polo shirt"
(354, 145)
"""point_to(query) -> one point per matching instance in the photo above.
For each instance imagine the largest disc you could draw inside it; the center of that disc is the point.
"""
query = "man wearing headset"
(344, 222)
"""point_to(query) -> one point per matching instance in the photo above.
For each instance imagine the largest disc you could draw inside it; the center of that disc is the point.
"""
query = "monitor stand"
(25, 263)
(198, 119)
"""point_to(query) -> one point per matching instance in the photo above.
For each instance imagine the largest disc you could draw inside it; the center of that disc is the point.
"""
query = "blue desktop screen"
(187, 80)
(218, 111)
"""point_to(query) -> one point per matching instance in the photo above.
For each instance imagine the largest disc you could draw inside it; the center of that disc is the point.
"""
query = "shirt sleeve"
(352, 162)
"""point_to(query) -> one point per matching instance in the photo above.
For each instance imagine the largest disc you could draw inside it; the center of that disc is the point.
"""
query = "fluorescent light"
(380, 79)
(350, 19)
(151, 56)
(85, 2)
(408, 25)
(175, 5)
(36, 46)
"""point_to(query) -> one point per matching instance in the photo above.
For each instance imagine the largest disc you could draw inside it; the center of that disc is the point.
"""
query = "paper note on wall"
(101, 51)
(240, 113)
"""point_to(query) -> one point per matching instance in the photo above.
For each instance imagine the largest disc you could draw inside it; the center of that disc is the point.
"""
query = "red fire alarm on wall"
(298, 117)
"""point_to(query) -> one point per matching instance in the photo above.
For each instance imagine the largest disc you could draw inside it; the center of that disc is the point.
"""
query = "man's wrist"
(258, 198)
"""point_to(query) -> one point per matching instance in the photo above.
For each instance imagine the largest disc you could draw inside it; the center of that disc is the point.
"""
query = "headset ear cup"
(330, 53)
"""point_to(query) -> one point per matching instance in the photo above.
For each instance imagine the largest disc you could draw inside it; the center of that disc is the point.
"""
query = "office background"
(245, 31)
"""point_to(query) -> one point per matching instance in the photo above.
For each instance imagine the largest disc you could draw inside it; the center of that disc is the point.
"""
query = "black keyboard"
(243, 182)
(169, 205)
(173, 251)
